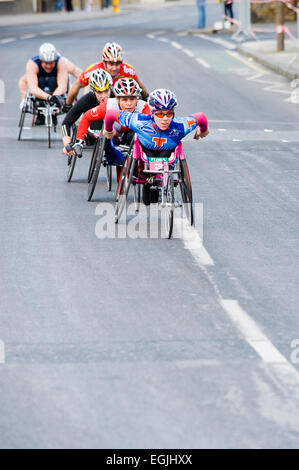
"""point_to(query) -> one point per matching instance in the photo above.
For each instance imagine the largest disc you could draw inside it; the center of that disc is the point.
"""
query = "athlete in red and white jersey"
(112, 62)
(127, 94)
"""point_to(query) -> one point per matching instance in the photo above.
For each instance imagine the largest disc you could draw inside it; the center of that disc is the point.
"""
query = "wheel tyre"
(109, 177)
(21, 122)
(186, 191)
(94, 179)
(169, 199)
(124, 186)
(93, 160)
(71, 168)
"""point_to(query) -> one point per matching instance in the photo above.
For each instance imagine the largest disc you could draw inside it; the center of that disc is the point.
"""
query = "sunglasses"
(160, 114)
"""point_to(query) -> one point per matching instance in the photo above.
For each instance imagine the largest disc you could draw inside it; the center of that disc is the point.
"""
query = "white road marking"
(221, 42)
(176, 45)
(237, 140)
(2, 352)
(254, 336)
(249, 63)
(51, 33)
(189, 53)
(28, 36)
(203, 62)
(193, 242)
(222, 130)
(268, 130)
(163, 39)
(7, 40)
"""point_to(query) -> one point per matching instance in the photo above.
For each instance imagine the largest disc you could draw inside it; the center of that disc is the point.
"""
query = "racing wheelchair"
(33, 106)
(159, 173)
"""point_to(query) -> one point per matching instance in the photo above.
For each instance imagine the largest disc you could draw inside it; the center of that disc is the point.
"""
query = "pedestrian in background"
(69, 5)
(228, 8)
(58, 5)
(88, 4)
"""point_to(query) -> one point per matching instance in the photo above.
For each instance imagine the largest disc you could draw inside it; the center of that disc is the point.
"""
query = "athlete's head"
(127, 93)
(162, 103)
(100, 83)
(112, 58)
(48, 56)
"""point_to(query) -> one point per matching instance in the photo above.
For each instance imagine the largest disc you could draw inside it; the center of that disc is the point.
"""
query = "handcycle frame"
(160, 173)
(47, 110)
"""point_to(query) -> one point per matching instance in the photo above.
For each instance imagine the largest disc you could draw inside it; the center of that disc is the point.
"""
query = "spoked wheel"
(124, 186)
(73, 159)
(186, 191)
(95, 174)
(71, 167)
(93, 159)
(109, 177)
(169, 206)
(21, 122)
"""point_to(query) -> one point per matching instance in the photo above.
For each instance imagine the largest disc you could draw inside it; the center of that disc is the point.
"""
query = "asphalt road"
(146, 342)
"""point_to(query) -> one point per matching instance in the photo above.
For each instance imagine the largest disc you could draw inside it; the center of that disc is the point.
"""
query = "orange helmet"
(112, 52)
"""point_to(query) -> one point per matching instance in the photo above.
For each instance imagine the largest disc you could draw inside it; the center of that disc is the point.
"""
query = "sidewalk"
(81, 15)
(285, 62)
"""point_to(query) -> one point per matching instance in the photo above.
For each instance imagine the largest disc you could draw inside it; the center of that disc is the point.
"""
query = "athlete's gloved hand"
(59, 101)
(66, 108)
(78, 147)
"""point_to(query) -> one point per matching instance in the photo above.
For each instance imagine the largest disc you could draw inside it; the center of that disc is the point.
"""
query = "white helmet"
(47, 52)
(126, 87)
(100, 80)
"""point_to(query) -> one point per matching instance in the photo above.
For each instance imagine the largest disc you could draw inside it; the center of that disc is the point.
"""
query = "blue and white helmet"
(161, 99)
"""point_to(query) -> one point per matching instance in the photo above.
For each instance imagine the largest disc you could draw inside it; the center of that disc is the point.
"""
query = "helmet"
(162, 99)
(126, 87)
(100, 80)
(112, 52)
(47, 52)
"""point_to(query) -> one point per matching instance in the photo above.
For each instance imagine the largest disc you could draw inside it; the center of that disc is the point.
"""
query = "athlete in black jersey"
(100, 82)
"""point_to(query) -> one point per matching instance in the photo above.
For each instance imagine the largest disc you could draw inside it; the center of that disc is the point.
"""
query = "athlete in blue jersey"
(160, 131)
(47, 77)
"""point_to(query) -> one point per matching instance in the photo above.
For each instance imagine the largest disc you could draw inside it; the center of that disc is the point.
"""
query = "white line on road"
(163, 39)
(189, 53)
(203, 62)
(176, 45)
(193, 242)
(28, 36)
(51, 33)
(221, 42)
(7, 40)
(2, 352)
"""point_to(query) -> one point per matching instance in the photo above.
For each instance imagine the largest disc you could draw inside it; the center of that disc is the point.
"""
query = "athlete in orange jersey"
(112, 62)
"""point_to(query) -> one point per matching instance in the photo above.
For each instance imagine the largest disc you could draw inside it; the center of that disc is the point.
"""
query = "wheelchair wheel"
(22, 119)
(72, 164)
(137, 197)
(93, 159)
(73, 159)
(49, 136)
(94, 178)
(124, 186)
(109, 177)
(186, 191)
(169, 207)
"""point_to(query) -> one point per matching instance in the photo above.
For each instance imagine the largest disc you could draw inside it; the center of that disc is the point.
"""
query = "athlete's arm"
(32, 80)
(202, 123)
(94, 114)
(72, 69)
(84, 104)
(62, 78)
